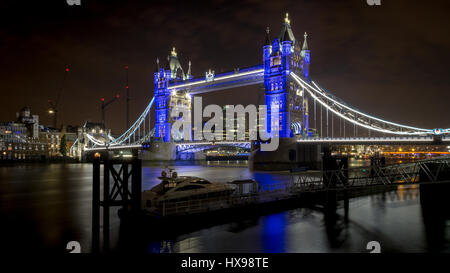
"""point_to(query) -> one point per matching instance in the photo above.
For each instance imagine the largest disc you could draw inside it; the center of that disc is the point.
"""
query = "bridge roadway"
(193, 146)
(413, 140)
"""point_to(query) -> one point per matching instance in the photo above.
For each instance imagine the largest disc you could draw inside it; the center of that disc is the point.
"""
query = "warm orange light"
(97, 155)
(443, 153)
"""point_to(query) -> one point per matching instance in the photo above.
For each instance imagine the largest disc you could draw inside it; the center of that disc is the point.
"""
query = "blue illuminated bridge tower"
(166, 99)
(282, 56)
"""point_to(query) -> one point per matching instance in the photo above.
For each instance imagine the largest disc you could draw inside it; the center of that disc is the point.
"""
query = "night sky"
(391, 61)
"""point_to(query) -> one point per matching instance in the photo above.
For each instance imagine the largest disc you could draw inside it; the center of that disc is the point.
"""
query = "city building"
(26, 139)
(30, 121)
(19, 140)
(71, 133)
(52, 137)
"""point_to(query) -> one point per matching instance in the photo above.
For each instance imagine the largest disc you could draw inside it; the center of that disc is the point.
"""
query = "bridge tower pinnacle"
(306, 58)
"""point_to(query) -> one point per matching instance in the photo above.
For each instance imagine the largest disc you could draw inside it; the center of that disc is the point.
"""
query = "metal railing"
(409, 173)
(397, 174)
(264, 193)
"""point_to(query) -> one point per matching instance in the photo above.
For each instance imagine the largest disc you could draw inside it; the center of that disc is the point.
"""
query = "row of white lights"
(138, 121)
(113, 148)
(136, 125)
(219, 142)
(368, 140)
(94, 140)
(217, 79)
(306, 85)
(369, 116)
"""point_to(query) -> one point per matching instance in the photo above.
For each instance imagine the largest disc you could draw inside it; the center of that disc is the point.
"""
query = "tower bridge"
(309, 115)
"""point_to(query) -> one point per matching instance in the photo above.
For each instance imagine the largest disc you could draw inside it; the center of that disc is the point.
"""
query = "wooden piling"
(121, 180)
(96, 205)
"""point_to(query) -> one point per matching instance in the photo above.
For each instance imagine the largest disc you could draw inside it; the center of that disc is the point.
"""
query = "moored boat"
(177, 195)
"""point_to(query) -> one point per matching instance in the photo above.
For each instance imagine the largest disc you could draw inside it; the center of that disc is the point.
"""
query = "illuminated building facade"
(20, 139)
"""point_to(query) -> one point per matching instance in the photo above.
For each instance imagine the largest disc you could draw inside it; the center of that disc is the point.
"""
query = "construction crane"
(53, 110)
(104, 105)
(127, 99)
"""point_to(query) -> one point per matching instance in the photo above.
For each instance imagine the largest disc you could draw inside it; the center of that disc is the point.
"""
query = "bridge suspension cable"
(339, 109)
(350, 114)
(130, 132)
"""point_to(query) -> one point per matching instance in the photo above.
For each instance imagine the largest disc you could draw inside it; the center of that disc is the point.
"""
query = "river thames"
(43, 207)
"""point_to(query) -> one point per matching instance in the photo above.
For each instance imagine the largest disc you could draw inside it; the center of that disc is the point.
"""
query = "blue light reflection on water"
(49, 205)
(274, 232)
(279, 232)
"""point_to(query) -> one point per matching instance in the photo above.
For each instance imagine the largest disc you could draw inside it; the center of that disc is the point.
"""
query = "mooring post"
(346, 206)
(372, 166)
(136, 185)
(120, 188)
(325, 169)
(96, 205)
(106, 203)
(125, 187)
(345, 166)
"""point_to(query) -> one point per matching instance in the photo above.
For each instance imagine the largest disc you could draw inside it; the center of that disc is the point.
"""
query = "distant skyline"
(390, 61)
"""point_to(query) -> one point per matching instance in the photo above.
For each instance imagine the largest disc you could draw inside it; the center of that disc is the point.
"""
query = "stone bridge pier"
(289, 155)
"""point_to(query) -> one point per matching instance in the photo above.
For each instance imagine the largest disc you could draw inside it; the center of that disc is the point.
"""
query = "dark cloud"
(389, 60)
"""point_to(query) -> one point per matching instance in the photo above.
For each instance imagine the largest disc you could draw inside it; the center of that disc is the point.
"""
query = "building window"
(274, 61)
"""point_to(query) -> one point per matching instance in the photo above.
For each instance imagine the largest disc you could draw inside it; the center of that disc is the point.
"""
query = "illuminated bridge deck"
(196, 146)
(413, 140)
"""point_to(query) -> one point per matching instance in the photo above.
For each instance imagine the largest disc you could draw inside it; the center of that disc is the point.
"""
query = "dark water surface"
(42, 207)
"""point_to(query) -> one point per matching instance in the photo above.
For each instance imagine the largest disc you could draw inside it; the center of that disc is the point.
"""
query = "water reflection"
(336, 225)
(435, 206)
(45, 206)
(273, 236)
